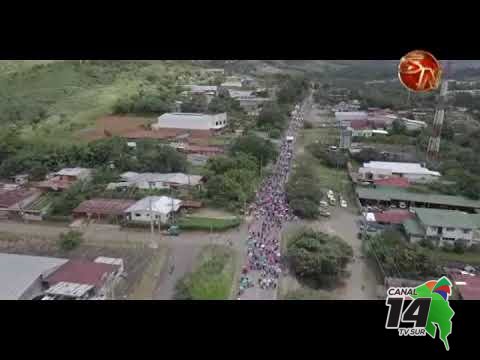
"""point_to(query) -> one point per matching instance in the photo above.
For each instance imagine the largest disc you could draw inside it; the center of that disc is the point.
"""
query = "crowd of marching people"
(270, 212)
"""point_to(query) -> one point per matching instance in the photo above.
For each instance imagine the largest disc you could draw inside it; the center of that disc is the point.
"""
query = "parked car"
(343, 204)
(323, 203)
(402, 205)
(325, 213)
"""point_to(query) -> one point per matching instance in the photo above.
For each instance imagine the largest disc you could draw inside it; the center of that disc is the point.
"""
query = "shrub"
(70, 240)
(195, 223)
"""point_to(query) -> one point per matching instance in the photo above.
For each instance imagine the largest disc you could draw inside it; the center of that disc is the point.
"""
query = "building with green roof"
(443, 227)
(385, 195)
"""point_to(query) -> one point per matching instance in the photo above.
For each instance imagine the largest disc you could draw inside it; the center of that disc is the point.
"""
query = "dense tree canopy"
(263, 150)
(232, 180)
(272, 117)
(401, 259)
(304, 193)
(318, 258)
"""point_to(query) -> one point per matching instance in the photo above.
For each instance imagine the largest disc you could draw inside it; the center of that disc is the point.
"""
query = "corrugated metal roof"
(82, 272)
(393, 216)
(172, 178)
(401, 167)
(467, 285)
(394, 181)
(19, 272)
(387, 193)
(413, 227)
(446, 218)
(158, 204)
(104, 206)
(11, 198)
(73, 172)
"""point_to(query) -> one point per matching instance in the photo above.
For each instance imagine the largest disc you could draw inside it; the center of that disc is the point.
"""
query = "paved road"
(257, 293)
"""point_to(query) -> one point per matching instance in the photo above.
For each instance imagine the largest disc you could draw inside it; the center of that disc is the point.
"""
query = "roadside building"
(83, 280)
(237, 94)
(386, 196)
(443, 227)
(400, 182)
(37, 209)
(153, 209)
(65, 178)
(191, 121)
(341, 116)
(21, 275)
(414, 172)
(393, 217)
(13, 202)
(466, 284)
(411, 125)
(252, 104)
(102, 209)
(202, 89)
(367, 133)
(149, 181)
(197, 159)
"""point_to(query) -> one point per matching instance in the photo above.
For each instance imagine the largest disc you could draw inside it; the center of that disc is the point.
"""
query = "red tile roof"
(81, 272)
(394, 181)
(10, 198)
(104, 206)
(393, 216)
(56, 183)
(359, 124)
(469, 291)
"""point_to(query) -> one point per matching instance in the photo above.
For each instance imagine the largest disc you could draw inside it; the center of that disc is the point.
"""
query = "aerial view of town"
(236, 180)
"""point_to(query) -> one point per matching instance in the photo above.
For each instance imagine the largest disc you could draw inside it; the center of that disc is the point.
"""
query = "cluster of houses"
(44, 278)
(32, 201)
(243, 89)
(371, 122)
(388, 201)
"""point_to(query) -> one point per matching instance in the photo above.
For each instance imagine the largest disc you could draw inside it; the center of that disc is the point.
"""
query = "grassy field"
(329, 178)
(72, 96)
(213, 278)
(329, 136)
(207, 224)
(145, 288)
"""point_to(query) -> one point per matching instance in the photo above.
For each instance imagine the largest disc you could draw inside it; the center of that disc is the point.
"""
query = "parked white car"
(343, 204)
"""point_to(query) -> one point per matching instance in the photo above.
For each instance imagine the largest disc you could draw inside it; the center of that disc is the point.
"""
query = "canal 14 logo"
(421, 310)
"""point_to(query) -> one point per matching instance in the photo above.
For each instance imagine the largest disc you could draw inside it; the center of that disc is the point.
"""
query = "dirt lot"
(115, 125)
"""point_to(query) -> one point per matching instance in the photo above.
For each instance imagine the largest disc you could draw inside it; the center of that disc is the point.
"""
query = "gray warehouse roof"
(19, 272)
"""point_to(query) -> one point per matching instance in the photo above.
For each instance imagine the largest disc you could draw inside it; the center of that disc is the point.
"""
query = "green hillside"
(56, 99)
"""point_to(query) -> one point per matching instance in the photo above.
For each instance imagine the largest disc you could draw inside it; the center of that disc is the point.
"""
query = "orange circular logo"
(419, 71)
